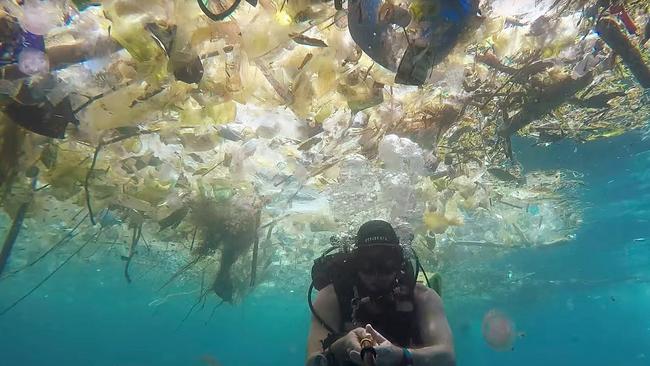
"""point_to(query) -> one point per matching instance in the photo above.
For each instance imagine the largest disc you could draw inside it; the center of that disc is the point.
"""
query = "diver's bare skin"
(63, 55)
(437, 348)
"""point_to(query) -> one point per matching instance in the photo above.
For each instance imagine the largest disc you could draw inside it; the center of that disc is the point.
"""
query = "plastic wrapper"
(40, 17)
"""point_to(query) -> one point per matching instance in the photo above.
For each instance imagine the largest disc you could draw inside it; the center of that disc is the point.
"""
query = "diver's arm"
(437, 355)
(438, 349)
(326, 306)
(67, 54)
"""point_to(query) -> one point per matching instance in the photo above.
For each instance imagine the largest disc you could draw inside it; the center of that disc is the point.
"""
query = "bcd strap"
(331, 338)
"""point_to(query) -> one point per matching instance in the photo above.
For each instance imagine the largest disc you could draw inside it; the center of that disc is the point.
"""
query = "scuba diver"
(371, 311)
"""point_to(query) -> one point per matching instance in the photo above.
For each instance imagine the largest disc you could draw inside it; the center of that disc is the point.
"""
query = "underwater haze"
(585, 303)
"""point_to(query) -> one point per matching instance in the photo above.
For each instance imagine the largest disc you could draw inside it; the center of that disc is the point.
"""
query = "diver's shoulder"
(327, 293)
(423, 293)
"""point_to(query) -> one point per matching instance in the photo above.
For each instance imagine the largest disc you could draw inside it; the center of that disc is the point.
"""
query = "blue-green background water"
(587, 303)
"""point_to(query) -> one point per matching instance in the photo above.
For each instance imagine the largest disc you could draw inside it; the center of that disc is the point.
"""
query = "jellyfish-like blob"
(498, 330)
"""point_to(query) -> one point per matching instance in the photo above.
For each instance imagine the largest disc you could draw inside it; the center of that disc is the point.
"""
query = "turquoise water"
(585, 304)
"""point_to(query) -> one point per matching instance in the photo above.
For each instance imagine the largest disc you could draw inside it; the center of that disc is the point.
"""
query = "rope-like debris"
(137, 234)
(70, 235)
(7, 309)
(92, 165)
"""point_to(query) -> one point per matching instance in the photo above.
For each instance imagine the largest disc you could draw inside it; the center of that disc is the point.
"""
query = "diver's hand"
(388, 354)
(349, 343)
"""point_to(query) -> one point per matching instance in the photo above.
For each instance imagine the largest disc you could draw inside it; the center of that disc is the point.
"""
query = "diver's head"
(378, 256)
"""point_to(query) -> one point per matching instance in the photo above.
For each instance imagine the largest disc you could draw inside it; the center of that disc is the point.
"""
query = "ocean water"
(586, 302)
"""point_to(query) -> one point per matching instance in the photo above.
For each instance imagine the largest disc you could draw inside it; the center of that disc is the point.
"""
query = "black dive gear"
(38, 114)
(392, 314)
(217, 12)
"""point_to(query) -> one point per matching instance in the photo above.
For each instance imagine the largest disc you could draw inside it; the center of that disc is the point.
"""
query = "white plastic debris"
(398, 194)
(401, 154)
(360, 120)
(270, 122)
(40, 17)
(32, 61)
(526, 10)
(588, 63)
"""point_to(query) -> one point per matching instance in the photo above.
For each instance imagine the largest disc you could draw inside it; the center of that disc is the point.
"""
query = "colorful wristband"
(407, 357)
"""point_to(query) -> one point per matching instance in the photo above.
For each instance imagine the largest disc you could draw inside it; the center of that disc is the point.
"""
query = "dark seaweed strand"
(255, 251)
(193, 237)
(198, 301)
(11, 237)
(77, 214)
(98, 244)
(4, 311)
(10, 150)
(202, 280)
(137, 232)
(4, 256)
(92, 165)
(517, 73)
(203, 295)
(256, 247)
(214, 167)
(180, 271)
(16, 225)
(213, 310)
(67, 237)
(99, 96)
(611, 33)
(146, 243)
(254, 262)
